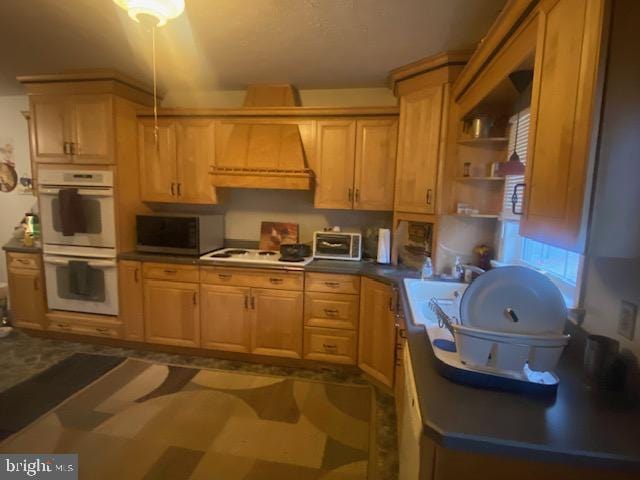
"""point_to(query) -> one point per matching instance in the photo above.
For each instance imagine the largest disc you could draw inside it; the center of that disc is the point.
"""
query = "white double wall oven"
(79, 239)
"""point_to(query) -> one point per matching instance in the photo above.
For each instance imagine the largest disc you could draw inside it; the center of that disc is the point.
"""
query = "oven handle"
(91, 263)
(108, 192)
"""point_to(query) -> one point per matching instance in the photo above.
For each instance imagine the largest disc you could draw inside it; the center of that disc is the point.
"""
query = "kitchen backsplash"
(245, 209)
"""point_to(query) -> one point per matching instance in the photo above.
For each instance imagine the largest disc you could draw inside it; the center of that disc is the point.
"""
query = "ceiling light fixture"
(162, 10)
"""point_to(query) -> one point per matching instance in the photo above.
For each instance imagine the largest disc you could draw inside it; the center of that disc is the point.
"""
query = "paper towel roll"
(384, 245)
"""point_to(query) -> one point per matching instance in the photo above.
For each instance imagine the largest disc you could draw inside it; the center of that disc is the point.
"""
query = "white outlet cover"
(627, 319)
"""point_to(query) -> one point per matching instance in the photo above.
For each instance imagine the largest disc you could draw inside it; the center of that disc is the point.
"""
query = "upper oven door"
(333, 245)
(96, 204)
(169, 234)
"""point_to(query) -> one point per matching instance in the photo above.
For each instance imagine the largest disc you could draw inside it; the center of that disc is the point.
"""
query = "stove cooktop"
(256, 257)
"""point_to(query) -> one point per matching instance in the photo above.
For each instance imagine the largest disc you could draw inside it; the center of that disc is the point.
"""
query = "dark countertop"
(15, 245)
(578, 426)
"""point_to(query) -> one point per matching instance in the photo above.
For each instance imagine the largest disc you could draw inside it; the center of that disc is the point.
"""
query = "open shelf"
(479, 179)
(484, 141)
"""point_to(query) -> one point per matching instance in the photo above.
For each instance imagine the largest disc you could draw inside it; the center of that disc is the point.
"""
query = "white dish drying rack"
(496, 351)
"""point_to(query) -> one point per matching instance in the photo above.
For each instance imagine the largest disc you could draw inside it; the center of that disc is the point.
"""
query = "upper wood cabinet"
(26, 289)
(562, 110)
(335, 152)
(355, 163)
(419, 146)
(72, 129)
(175, 168)
(377, 331)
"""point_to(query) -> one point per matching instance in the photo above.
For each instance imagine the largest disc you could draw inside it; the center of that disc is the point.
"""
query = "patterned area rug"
(144, 420)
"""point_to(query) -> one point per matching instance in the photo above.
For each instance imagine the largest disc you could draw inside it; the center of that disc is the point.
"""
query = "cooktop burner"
(237, 251)
(267, 253)
(250, 257)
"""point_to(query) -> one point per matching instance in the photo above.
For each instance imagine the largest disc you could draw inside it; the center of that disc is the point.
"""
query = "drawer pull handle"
(332, 284)
(331, 312)
(102, 330)
(195, 298)
(170, 272)
(23, 261)
(135, 275)
(64, 326)
(224, 276)
(276, 281)
(246, 302)
(253, 303)
(328, 346)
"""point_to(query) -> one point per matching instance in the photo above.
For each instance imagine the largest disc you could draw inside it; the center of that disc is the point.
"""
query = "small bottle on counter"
(427, 269)
(458, 270)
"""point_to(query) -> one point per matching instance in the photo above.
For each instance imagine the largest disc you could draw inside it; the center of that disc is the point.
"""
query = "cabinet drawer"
(23, 260)
(243, 277)
(331, 310)
(171, 271)
(330, 345)
(334, 283)
(84, 325)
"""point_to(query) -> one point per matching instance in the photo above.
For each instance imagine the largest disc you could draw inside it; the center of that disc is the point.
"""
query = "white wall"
(13, 205)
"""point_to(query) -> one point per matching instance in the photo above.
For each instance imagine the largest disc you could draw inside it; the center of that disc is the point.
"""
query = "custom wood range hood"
(263, 153)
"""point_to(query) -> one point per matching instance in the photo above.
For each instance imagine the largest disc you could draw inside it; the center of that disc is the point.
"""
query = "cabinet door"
(225, 318)
(131, 299)
(418, 150)
(27, 298)
(562, 104)
(171, 313)
(375, 167)
(91, 120)
(335, 150)
(196, 153)
(377, 332)
(50, 131)
(158, 171)
(277, 322)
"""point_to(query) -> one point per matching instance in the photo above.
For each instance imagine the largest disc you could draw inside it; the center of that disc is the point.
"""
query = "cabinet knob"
(195, 298)
(173, 189)
(135, 275)
(178, 189)
(350, 194)
(246, 302)
(357, 195)
(66, 148)
(429, 196)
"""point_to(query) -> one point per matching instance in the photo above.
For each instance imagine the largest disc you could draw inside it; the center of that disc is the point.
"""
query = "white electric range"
(244, 256)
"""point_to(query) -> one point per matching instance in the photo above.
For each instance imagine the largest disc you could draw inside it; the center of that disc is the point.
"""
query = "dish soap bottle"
(458, 269)
(427, 269)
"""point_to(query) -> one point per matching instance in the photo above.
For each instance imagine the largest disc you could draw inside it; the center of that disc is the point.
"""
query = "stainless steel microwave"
(179, 233)
(337, 245)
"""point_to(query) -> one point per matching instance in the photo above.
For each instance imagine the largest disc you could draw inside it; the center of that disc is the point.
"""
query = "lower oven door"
(81, 284)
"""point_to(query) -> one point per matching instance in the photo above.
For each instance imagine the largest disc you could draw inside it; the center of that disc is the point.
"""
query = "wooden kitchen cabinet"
(564, 96)
(73, 129)
(225, 318)
(335, 150)
(377, 331)
(176, 169)
(131, 297)
(171, 313)
(277, 322)
(355, 164)
(375, 164)
(419, 139)
(26, 290)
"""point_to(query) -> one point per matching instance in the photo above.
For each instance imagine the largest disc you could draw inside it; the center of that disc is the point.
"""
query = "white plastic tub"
(508, 351)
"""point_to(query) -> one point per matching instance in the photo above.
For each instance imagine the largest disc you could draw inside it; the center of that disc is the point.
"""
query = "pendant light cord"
(155, 88)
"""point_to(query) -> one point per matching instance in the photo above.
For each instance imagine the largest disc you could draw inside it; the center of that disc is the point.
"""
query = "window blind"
(521, 148)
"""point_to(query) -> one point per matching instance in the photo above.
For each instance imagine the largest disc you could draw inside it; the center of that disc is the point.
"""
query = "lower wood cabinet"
(277, 322)
(26, 290)
(131, 299)
(377, 332)
(172, 313)
(225, 318)
(330, 345)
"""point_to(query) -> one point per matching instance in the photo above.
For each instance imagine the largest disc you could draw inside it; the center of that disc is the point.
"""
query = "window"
(563, 267)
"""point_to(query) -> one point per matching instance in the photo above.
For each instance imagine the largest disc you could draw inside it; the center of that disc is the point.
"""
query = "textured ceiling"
(227, 44)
